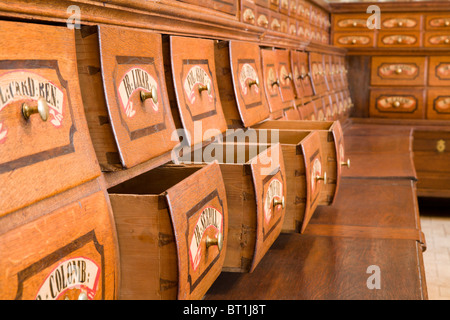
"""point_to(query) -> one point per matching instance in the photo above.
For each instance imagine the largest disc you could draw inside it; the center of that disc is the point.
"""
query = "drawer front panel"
(305, 74)
(47, 146)
(297, 77)
(194, 76)
(398, 103)
(439, 71)
(286, 76)
(78, 260)
(350, 22)
(248, 12)
(353, 40)
(308, 111)
(315, 173)
(269, 180)
(437, 39)
(130, 71)
(316, 68)
(398, 71)
(438, 104)
(408, 21)
(199, 212)
(247, 79)
(438, 22)
(271, 80)
(408, 40)
(262, 17)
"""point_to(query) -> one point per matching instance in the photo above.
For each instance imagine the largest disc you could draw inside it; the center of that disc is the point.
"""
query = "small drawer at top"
(125, 95)
(271, 79)
(248, 83)
(400, 21)
(196, 89)
(172, 230)
(227, 6)
(398, 71)
(44, 141)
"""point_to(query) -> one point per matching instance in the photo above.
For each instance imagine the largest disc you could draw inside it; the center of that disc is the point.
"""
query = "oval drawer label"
(315, 172)
(209, 218)
(246, 76)
(443, 71)
(397, 70)
(71, 278)
(397, 102)
(442, 104)
(399, 23)
(274, 192)
(195, 78)
(135, 80)
(399, 39)
(24, 85)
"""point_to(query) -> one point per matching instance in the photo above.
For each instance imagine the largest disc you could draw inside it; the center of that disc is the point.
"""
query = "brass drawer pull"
(324, 178)
(440, 146)
(203, 88)
(215, 241)
(346, 164)
(41, 108)
(279, 203)
(399, 71)
(397, 104)
(150, 95)
(249, 16)
(288, 76)
(253, 82)
(276, 82)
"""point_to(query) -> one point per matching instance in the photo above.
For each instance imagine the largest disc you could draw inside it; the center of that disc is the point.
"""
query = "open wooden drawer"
(255, 183)
(306, 176)
(172, 229)
(332, 142)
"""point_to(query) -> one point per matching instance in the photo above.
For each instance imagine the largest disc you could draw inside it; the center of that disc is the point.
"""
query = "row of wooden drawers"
(393, 21)
(188, 216)
(300, 27)
(408, 103)
(390, 39)
(410, 71)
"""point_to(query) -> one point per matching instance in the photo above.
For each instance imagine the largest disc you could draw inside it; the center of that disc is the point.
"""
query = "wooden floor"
(435, 221)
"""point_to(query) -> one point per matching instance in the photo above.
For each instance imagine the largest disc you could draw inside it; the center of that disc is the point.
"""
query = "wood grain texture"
(193, 68)
(245, 67)
(79, 254)
(56, 154)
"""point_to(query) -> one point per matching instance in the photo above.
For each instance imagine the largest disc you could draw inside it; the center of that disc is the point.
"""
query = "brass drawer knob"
(83, 296)
(288, 76)
(249, 16)
(262, 21)
(399, 71)
(253, 83)
(279, 202)
(447, 23)
(41, 108)
(150, 95)
(397, 104)
(354, 41)
(202, 88)
(346, 163)
(440, 146)
(324, 178)
(215, 241)
(400, 23)
(447, 41)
